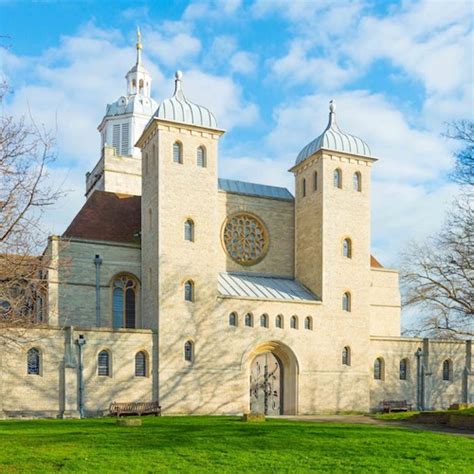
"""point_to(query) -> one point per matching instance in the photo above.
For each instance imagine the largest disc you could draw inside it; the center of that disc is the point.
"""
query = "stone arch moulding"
(290, 369)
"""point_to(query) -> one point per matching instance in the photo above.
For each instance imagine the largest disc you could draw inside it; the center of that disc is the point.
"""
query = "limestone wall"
(277, 216)
(115, 174)
(77, 280)
(385, 309)
(438, 393)
(55, 391)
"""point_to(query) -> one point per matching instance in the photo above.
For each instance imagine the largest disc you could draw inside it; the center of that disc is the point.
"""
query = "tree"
(463, 131)
(438, 275)
(26, 151)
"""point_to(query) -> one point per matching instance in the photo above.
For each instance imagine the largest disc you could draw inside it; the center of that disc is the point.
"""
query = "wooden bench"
(395, 405)
(134, 408)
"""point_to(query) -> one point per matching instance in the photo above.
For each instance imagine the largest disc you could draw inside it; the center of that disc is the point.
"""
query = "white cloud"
(243, 62)
(172, 50)
(224, 54)
(211, 9)
(222, 96)
(297, 67)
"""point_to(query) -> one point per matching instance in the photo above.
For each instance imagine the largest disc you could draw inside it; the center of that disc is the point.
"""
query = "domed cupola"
(333, 138)
(180, 109)
(125, 119)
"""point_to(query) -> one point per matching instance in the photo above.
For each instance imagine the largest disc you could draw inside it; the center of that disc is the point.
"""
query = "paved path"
(368, 420)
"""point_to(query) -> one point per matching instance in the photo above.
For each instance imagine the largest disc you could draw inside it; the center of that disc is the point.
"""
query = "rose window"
(245, 238)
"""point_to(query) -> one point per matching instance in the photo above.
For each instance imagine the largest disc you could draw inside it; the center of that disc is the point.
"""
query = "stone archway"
(272, 369)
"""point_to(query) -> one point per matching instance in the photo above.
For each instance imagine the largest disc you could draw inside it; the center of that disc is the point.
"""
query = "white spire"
(178, 89)
(332, 113)
(139, 46)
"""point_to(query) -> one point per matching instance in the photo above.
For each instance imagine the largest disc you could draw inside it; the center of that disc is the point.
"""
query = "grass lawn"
(406, 415)
(225, 444)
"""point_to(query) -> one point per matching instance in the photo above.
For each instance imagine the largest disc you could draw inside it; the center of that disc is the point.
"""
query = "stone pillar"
(426, 376)
(468, 379)
(70, 389)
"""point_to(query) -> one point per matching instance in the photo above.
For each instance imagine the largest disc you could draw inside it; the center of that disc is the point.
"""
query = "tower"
(119, 168)
(332, 186)
(179, 225)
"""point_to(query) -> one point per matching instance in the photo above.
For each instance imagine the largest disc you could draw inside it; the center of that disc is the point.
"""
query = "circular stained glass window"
(245, 238)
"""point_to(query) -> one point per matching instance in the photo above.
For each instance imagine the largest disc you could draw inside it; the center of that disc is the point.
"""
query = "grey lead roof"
(247, 285)
(333, 138)
(180, 109)
(252, 189)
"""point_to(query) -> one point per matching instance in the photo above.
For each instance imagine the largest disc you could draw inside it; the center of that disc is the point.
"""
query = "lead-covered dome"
(180, 109)
(133, 104)
(333, 138)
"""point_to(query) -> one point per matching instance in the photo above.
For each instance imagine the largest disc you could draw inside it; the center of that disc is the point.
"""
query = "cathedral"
(216, 296)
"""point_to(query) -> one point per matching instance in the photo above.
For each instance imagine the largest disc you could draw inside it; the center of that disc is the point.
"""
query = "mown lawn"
(225, 444)
(406, 415)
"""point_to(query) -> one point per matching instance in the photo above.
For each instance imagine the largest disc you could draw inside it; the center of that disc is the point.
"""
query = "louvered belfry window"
(124, 150)
(177, 152)
(201, 157)
(116, 138)
(103, 364)
(140, 364)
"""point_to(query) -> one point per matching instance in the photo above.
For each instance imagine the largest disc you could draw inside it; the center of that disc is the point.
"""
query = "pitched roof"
(247, 285)
(107, 216)
(252, 189)
(374, 263)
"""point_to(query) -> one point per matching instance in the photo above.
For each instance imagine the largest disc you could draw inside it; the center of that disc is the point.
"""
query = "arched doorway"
(266, 385)
(272, 369)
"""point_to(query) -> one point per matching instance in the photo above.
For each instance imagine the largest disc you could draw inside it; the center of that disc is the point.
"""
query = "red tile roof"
(117, 218)
(108, 216)
(374, 263)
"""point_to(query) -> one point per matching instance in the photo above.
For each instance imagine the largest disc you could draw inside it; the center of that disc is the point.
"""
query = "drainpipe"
(419, 379)
(80, 342)
(98, 263)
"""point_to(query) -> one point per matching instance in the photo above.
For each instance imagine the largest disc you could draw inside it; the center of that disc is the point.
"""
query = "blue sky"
(267, 69)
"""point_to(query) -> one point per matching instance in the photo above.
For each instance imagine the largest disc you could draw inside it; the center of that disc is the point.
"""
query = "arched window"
(337, 178)
(378, 369)
(315, 181)
(140, 364)
(346, 301)
(279, 321)
(303, 187)
(294, 322)
(189, 291)
(357, 181)
(249, 320)
(189, 230)
(188, 351)
(125, 296)
(346, 356)
(177, 152)
(33, 362)
(403, 369)
(140, 86)
(103, 364)
(347, 248)
(447, 370)
(201, 158)
(232, 319)
(264, 321)
(308, 323)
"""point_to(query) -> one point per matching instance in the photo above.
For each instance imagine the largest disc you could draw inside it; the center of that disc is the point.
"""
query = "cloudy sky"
(267, 69)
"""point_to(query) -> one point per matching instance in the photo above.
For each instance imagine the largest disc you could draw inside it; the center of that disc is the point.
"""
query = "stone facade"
(326, 313)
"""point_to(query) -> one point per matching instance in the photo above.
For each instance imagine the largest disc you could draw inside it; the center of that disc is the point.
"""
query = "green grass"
(406, 415)
(225, 444)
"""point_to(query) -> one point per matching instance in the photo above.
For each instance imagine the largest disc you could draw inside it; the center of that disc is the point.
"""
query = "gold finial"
(139, 38)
